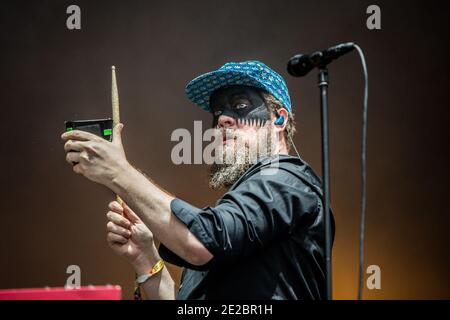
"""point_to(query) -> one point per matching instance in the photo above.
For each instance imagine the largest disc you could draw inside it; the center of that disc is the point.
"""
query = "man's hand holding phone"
(95, 158)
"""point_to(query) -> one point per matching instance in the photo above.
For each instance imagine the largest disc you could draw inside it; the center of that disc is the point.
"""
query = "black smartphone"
(99, 127)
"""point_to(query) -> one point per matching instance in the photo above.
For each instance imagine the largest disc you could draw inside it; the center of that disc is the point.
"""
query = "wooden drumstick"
(115, 98)
(115, 106)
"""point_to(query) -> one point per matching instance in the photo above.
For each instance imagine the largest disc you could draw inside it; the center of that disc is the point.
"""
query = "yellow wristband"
(155, 269)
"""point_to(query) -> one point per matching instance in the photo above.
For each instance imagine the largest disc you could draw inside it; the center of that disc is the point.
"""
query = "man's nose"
(225, 121)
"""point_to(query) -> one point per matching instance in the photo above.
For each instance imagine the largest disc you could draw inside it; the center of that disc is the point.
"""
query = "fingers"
(113, 238)
(77, 150)
(114, 228)
(73, 157)
(118, 219)
(77, 168)
(118, 226)
(74, 145)
(130, 213)
(117, 133)
(116, 207)
(80, 136)
(124, 210)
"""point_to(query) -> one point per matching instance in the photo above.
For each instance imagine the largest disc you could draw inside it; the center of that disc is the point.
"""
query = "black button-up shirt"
(266, 234)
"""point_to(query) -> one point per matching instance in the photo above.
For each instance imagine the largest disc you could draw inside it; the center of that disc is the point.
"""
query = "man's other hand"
(130, 238)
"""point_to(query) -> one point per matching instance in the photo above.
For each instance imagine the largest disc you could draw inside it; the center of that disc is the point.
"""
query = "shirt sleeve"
(262, 209)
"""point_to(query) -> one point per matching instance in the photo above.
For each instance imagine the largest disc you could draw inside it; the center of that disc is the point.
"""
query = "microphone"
(300, 64)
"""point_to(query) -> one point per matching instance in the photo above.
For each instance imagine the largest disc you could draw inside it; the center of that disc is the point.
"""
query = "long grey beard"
(224, 175)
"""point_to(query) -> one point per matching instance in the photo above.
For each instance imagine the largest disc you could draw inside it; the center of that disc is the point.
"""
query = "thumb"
(130, 213)
(117, 133)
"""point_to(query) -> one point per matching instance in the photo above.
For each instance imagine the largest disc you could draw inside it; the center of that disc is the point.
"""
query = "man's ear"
(281, 119)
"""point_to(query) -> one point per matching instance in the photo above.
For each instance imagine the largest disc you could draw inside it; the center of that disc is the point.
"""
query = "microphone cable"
(362, 227)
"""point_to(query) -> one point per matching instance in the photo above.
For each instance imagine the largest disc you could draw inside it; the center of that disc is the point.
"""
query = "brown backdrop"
(52, 218)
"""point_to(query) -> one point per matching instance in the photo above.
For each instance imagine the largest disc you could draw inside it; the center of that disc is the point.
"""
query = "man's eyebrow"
(240, 95)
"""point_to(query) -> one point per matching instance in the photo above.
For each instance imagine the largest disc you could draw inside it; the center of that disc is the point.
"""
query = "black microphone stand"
(298, 66)
(323, 85)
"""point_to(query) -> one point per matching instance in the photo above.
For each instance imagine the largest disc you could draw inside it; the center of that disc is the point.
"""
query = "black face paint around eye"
(245, 104)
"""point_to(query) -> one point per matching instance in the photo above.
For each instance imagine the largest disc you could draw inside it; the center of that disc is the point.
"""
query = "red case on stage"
(112, 292)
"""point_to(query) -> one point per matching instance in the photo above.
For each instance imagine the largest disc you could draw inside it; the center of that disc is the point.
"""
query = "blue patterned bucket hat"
(250, 73)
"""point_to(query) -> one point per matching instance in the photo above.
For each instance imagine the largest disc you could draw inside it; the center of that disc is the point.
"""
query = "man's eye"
(241, 105)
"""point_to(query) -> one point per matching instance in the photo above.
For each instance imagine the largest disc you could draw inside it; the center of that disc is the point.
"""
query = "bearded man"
(264, 239)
